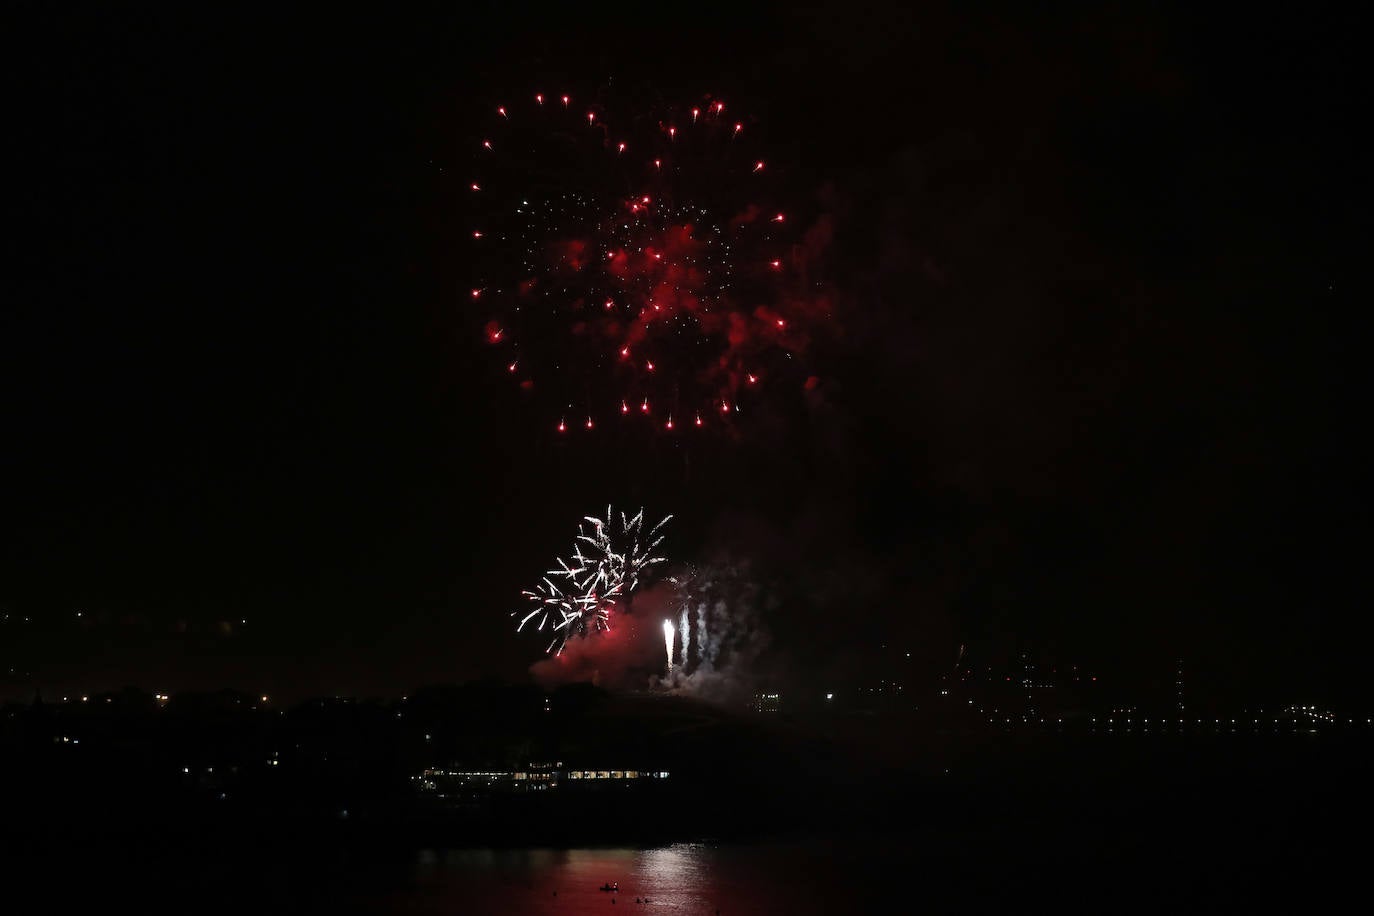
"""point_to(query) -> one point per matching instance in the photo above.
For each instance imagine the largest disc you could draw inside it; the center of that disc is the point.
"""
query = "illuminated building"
(766, 702)
(442, 782)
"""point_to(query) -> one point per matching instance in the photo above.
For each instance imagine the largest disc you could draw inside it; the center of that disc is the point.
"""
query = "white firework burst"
(607, 564)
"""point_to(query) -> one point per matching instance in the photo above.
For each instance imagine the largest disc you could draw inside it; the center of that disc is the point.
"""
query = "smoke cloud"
(719, 648)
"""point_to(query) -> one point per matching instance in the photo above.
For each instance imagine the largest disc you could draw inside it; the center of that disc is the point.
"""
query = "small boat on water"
(610, 887)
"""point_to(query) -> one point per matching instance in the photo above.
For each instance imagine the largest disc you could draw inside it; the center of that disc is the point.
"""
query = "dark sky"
(1096, 389)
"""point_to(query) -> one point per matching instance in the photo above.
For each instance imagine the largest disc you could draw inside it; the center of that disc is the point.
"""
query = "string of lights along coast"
(636, 263)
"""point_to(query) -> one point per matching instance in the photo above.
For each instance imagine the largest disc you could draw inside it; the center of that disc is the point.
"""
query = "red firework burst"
(636, 255)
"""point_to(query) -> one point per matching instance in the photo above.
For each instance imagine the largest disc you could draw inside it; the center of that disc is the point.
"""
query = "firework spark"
(607, 565)
(646, 229)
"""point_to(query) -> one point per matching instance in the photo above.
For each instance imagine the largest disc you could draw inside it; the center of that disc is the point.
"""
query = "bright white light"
(668, 640)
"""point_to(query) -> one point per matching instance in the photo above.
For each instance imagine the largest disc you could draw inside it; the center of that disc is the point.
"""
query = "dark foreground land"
(217, 801)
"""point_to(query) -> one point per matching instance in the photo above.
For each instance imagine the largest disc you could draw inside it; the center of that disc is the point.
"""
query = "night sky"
(1093, 387)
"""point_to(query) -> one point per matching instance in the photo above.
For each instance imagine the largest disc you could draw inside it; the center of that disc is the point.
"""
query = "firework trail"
(686, 635)
(668, 642)
(607, 565)
(635, 263)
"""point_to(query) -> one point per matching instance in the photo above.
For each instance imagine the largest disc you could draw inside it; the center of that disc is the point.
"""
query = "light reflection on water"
(682, 878)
